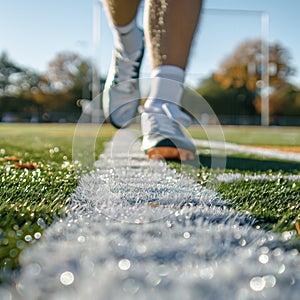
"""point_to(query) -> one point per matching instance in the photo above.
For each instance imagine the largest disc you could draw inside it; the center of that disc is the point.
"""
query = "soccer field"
(33, 196)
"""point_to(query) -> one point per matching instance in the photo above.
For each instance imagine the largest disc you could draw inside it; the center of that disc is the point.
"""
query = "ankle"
(128, 38)
(166, 87)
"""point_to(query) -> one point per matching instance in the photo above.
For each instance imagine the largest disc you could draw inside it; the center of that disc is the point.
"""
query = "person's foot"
(163, 138)
(121, 96)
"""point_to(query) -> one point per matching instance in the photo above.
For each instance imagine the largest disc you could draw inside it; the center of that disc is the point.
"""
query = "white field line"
(230, 148)
(116, 246)
(232, 177)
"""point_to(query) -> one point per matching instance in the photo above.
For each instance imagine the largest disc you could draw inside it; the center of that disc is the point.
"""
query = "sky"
(32, 32)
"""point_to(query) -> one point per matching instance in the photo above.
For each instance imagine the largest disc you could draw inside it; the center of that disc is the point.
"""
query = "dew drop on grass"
(186, 235)
(124, 264)
(81, 239)
(37, 235)
(20, 244)
(28, 238)
(257, 284)
(13, 252)
(4, 242)
(263, 258)
(67, 278)
(130, 286)
(41, 223)
(281, 269)
(270, 281)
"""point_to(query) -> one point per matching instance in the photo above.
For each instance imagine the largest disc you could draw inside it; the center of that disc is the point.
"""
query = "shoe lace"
(126, 70)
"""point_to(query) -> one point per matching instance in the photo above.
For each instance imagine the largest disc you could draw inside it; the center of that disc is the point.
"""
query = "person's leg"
(121, 12)
(122, 16)
(170, 27)
(121, 96)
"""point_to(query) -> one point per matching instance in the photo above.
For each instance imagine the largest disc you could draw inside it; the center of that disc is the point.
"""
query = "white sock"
(165, 94)
(166, 87)
(128, 38)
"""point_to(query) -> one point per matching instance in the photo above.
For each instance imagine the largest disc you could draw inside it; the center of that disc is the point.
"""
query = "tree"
(16, 83)
(67, 79)
(234, 88)
(284, 101)
(243, 68)
(68, 71)
(230, 101)
(14, 80)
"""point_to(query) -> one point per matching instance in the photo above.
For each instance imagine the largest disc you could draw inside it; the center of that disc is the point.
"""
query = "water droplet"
(153, 279)
(37, 235)
(281, 269)
(13, 253)
(4, 242)
(141, 249)
(130, 286)
(20, 244)
(67, 278)
(28, 238)
(264, 250)
(34, 269)
(186, 235)
(124, 264)
(169, 224)
(270, 280)
(41, 222)
(277, 252)
(257, 284)
(207, 273)
(81, 239)
(263, 258)
(287, 235)
(243, 242)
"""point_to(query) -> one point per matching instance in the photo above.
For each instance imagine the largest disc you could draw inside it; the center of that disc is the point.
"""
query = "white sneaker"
(121, 96)
(163, 138)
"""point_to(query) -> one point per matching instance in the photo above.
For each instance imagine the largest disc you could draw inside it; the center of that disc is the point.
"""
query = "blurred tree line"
(30, 96)
(234, 89)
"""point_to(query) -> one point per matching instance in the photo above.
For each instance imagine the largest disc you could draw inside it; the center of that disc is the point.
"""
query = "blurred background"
(245, 60)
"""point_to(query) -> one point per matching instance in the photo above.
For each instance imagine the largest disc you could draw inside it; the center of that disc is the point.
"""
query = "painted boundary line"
(235, 148)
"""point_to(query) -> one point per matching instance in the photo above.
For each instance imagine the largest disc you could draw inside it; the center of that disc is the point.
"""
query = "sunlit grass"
(275, 204)
(30, 200)
(250, 135)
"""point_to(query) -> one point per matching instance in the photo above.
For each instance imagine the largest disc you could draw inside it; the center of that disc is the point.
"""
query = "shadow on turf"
(251, 164)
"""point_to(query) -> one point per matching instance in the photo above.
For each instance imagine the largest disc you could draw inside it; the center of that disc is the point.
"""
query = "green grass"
(274, 203)
(30, 200)
(251, 135)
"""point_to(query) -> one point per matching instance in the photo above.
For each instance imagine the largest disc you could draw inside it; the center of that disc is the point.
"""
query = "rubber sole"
(170, 153)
